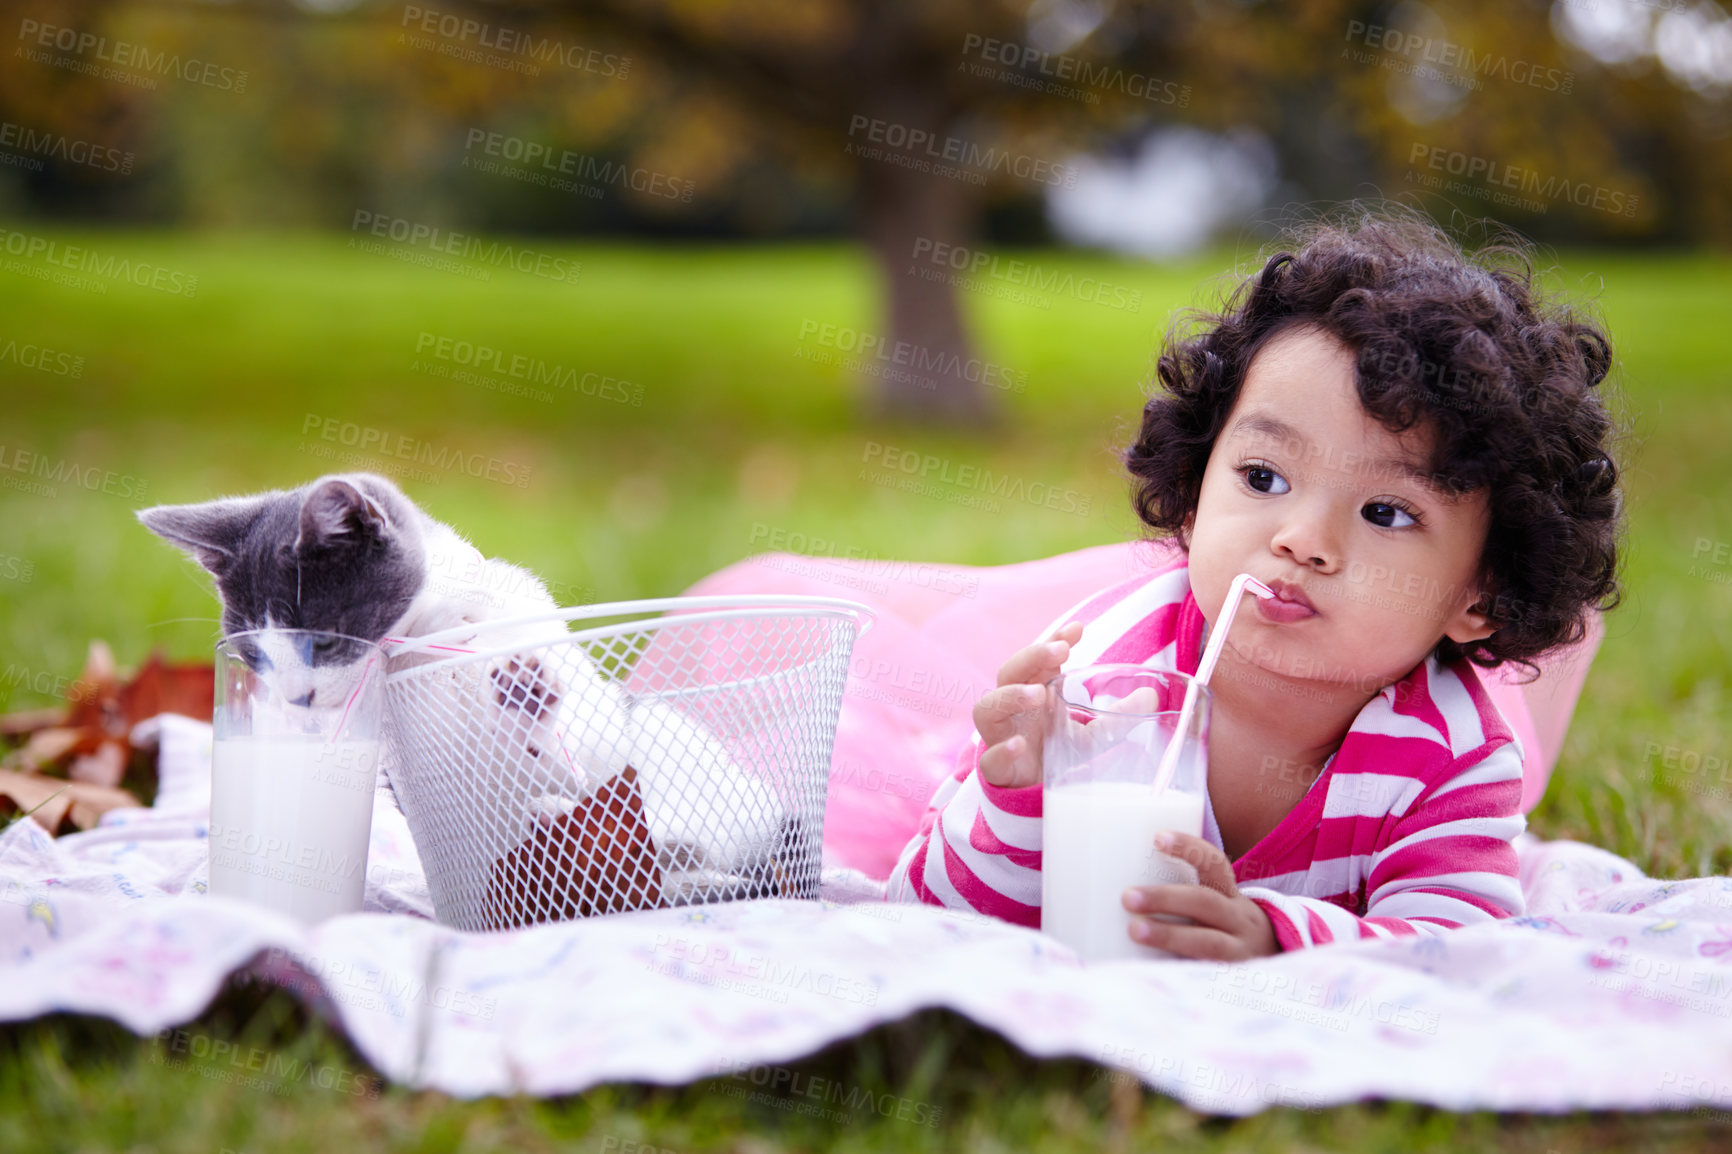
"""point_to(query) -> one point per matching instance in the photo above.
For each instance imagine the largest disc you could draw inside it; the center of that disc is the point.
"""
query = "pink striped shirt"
(1408, 829)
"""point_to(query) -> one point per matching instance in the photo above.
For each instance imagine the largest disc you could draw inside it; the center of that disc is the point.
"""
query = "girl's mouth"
(1280, 612)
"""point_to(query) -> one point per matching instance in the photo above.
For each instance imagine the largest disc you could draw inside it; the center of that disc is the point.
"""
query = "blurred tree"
(934, 109)
(913, 117)
(932, 106)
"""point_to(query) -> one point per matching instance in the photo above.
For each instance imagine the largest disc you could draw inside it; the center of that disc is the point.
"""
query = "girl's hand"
(1229, 926)
(1008, 718)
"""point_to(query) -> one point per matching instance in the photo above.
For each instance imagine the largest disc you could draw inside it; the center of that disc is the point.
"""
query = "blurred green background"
(743, 443)
(193, 302)
(739, 437)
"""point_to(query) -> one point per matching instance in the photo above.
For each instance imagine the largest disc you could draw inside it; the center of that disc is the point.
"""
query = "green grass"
(738, 438)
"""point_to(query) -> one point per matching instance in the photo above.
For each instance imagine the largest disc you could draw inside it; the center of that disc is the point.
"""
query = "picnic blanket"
(1613, 993)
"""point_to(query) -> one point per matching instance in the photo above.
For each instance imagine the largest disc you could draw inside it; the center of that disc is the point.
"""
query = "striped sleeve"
(978, 848)
(1448, 862)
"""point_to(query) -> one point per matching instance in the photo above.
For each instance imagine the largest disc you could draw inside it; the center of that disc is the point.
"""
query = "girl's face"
(1310, 494)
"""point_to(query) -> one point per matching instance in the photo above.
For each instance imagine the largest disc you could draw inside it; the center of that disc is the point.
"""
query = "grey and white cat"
(351, 554)
(346, 554)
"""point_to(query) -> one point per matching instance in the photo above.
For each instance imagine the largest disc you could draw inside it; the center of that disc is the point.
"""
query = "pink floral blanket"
(1607, 996)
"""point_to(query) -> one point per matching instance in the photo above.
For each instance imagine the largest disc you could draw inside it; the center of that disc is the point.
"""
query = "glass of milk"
(299, 734)
(1106, 728)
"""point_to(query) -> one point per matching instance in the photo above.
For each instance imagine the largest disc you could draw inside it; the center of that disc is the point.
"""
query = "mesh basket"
(636, 762)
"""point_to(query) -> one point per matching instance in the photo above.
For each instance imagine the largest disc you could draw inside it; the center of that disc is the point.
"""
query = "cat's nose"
(305, 699)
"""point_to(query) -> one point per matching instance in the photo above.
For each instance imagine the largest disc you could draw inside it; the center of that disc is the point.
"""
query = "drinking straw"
(362, 684)
(368, 668)
(350, 704)
(1206, 669)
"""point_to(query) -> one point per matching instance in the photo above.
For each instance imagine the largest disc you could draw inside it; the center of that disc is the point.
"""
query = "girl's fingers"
(1204, 906)
(1213, 868)
(1037, 664)
(1070, 632)
(1010, 764)
(1190, 941)
(1008, 718)
(1040, 662)
(1001, 713)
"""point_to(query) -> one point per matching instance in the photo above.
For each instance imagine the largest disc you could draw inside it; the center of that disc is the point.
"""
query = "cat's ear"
(210, 532)
(337, 514)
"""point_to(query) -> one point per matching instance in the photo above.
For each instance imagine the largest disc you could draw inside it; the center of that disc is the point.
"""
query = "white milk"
(289, 822)
(1097, 839)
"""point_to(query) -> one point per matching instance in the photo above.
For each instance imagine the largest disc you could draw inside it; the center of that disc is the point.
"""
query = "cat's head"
(342, 554)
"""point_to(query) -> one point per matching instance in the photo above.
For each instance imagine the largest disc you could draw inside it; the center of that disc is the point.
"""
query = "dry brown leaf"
(28, 721)
(60, 806)
(104, 767)
(100, 701)
(47, 745)
(598, 859)
(90, 741)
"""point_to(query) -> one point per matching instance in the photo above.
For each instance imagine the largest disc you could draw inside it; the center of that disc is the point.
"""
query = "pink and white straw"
(1206, 669)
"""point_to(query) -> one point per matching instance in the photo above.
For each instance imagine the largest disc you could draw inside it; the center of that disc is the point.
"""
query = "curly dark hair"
(1467, 346)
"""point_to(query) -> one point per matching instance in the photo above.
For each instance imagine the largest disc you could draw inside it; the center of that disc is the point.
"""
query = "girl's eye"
(1265, 480)
(1387, 516)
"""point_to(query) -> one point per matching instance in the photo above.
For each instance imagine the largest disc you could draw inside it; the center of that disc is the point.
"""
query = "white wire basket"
(660, 753)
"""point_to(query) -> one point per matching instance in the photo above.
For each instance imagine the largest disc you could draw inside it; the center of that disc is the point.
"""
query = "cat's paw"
(524, 685)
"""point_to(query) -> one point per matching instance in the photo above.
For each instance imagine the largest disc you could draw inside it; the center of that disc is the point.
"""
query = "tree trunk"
(927, 370)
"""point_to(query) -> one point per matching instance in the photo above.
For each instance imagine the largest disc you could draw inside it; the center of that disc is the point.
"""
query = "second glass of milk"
(1106, 729)
(294, 761)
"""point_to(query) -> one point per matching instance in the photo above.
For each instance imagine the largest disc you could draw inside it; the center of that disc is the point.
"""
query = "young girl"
(1407, 447)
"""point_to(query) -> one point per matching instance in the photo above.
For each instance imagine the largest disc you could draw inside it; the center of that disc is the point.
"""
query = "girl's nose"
(1306, 540)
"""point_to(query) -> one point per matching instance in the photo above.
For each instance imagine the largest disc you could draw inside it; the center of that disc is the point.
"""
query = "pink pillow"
(940, 634)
